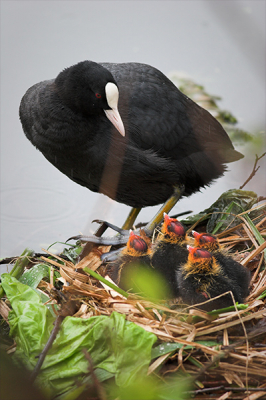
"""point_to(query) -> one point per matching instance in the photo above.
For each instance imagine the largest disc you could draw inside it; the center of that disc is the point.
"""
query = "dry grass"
(237, 361)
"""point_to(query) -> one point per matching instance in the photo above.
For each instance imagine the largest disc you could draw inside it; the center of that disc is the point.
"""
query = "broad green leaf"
(114, 344)
(30, 321)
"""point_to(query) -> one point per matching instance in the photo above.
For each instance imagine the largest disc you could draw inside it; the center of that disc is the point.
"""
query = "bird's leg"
(124, 234)
(168, 205)
(134, 212)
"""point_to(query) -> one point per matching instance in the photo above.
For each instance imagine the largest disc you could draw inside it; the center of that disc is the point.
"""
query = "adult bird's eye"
(98, 95)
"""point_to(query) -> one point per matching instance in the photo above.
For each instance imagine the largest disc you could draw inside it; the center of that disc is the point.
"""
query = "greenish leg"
(166, 208)
(134, 212)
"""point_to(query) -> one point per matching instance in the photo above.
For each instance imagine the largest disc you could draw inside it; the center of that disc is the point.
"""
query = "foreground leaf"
(151, 388)
(114, 344)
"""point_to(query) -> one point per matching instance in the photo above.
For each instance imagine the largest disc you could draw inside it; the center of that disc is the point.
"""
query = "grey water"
(220, 45)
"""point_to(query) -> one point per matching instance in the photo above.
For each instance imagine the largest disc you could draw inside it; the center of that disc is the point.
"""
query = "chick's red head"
(195, 254)
(206, 241)
(136, 245)
(173, 228)
(201, 262)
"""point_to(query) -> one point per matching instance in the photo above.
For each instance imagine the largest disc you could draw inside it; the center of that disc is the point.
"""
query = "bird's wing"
(159, 117)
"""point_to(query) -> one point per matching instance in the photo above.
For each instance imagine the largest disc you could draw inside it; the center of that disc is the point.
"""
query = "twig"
(48, 345)
(100, 391)
(226, 350)
(260, 198)
(33, 258)
(69, 308)
(231, 389)
(254, 170)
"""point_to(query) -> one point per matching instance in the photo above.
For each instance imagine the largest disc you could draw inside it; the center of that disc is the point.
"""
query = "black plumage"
(169, 252)
(203, 278)
(237, 272)
(169, 140)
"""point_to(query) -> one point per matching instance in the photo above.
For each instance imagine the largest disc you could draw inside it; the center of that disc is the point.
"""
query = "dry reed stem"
(187, 326)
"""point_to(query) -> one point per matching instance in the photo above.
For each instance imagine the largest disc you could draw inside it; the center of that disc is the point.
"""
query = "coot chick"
(135, 257)
(203, 278)
(169, 252)
(235, 270)
(169, 140)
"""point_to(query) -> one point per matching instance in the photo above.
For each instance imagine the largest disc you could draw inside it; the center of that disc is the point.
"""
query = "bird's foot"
(123, 233)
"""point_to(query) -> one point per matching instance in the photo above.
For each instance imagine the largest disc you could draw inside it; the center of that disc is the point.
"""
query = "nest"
(232, 368)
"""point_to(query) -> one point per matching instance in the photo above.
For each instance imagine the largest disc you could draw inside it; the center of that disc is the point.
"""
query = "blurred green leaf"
(146, 282)
(239, 136)
(151, 388)
(226, 117)
(210, 102)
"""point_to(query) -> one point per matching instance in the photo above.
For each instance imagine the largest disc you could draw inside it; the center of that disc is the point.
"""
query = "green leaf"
(33, 276)
(255, 232)
(233, 201)
(105, 281)
(85, 384)
(262, 295)
(228, 309)
(30, 321)
(223, 211)
(118, 346)
(194, 361)
(165, 348)
(72, 252)
(19, 267)
(225, 217)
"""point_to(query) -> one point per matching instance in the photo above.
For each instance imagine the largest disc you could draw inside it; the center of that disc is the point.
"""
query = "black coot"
(135, 149)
